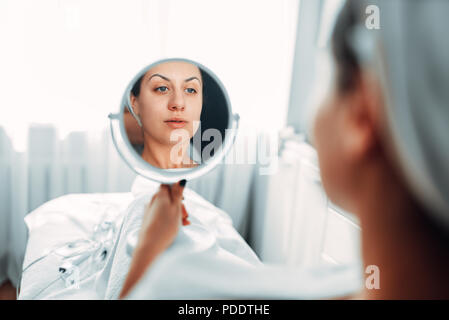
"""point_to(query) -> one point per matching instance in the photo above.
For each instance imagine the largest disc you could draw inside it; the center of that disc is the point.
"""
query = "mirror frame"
(140, 166)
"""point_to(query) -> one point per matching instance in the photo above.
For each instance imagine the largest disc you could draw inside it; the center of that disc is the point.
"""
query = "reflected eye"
(161, 89)
(190, 90)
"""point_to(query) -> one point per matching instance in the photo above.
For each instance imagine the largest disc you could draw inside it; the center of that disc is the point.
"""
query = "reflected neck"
(160, 155)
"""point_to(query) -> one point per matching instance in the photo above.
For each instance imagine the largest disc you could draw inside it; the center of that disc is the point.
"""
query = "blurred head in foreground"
(386, 120)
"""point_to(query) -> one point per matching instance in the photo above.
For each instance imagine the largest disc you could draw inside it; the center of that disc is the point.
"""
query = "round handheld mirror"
(175, 121)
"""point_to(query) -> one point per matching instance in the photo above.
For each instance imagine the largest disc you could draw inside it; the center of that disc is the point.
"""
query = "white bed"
(57, 222)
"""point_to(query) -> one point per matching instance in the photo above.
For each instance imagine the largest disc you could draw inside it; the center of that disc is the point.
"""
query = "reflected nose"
(177, 102)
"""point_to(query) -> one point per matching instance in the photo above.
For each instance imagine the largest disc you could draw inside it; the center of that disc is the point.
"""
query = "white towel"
(409, 54)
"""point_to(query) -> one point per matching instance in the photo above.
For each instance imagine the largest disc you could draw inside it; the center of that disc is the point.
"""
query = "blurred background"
(65, 64)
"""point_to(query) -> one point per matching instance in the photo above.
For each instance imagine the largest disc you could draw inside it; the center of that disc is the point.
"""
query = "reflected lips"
(176, 123)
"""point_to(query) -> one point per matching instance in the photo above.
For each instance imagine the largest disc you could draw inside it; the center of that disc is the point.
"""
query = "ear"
(134, 104)
(361, 119)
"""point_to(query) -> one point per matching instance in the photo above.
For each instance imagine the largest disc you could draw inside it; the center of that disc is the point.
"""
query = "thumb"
(164, 191)
(177, 189)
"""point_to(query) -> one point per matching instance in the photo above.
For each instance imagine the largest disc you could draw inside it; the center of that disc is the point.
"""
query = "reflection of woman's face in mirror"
(168, 100)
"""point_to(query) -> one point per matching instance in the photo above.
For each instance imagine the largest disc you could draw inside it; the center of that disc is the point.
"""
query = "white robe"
(209, 259)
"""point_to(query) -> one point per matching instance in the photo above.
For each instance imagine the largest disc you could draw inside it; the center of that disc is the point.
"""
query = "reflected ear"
(134, 104)
(135, 108)
(361, 120)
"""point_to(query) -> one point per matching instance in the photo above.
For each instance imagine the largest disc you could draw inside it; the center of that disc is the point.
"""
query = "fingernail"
(183, 182)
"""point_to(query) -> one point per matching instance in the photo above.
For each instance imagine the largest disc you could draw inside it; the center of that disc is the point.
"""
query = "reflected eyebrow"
(192, 78)
(159, 75)
(167, 79)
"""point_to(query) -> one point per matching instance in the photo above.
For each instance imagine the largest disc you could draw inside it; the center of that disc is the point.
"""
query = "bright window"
(67, 63)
